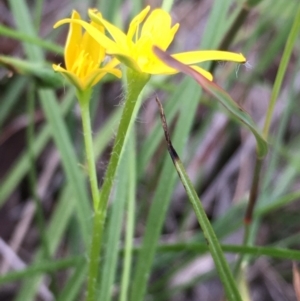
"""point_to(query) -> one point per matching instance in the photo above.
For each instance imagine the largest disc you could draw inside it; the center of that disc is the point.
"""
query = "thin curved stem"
(212, 241)
(135, 84)
(258, 164)
(282, 70)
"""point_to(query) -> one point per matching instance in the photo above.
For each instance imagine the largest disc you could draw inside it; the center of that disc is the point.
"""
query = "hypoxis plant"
(83, 60)
(135, 51)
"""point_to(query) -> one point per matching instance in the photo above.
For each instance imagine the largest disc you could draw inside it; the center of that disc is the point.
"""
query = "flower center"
(84, 64)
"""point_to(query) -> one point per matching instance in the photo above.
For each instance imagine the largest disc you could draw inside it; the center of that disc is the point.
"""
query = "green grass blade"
(69, 161)
(209, 234)
(10, 97)
(41, 268)
(24, 23)
(109, 11)
(293, 35)
(20, 36)
(55, 230)
(42, 74)
(130, 220)
(215, 28)
(162, 195)
(22, 165)
(201, 248)
(277, 203)
(74, 284)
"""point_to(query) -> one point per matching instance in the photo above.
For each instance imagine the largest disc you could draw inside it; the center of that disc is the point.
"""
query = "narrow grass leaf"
(56, 229)
(41, 73)
(201, 248)
(41, 268)
(130, 220)
(293, 35)
(69, 161)
(11, 96)
(24, 23)
(209, 234)
(72, 288)
(154, 138)
(20, 36)
(22, 165)
(163, 193)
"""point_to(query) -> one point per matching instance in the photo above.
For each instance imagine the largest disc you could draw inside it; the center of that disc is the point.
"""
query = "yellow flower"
(134, 49)
(83, 57)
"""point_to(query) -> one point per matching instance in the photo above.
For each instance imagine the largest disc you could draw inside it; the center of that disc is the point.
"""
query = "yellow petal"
(193, 57)
(117, 34)
(202, 71)
(158, 67)
(102, 39)
(73, 40)
(158, 27)
(173, 31)
(113, 71)
(70, 76)
(94, 77)
(136, 21)
(96, 52)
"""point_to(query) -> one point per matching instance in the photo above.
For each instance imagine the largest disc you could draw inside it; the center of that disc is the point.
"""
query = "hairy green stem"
(135, 84)
(233, 30)
(94, 255)
(84, 101)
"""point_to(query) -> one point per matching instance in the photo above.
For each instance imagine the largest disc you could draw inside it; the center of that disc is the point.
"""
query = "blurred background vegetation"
(45, 212)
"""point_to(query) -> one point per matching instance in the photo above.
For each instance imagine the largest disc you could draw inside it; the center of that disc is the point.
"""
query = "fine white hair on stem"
(248, 65)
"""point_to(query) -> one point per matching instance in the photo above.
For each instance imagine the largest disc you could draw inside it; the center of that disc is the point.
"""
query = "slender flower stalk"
(83, 60)
(137, 81)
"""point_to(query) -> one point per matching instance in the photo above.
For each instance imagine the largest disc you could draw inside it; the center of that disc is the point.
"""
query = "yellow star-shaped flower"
(83, 57)
(134, 49)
